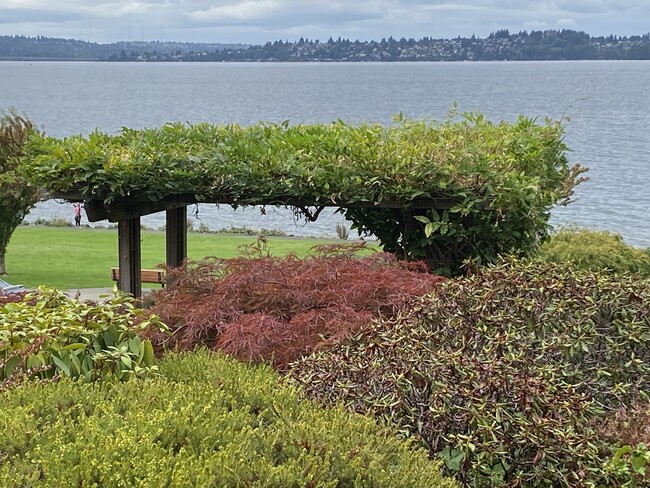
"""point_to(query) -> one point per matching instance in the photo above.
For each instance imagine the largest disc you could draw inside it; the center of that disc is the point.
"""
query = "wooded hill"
(498, 46)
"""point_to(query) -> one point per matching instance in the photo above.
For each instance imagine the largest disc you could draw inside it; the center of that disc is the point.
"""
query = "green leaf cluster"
(631, 463)
(205, 421)
(503, 374)
(17, 195)
(503, 177)
(48, 335)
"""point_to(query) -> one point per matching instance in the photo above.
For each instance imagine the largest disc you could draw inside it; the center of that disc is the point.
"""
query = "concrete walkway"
(95, 294)
(90, 293)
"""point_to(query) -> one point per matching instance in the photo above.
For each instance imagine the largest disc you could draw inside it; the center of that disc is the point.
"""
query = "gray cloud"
(280, 15)
(262, 20)
(17, 15)
(583, 6)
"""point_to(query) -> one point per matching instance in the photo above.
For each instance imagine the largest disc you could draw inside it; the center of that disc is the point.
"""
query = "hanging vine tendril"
(305, 213)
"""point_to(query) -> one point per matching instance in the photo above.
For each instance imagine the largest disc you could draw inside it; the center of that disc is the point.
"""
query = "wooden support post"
(176, 236)
(129, 256)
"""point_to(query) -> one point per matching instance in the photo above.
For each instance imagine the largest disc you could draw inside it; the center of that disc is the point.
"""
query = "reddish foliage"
(12, 297)
(276, 309)
(629, 426)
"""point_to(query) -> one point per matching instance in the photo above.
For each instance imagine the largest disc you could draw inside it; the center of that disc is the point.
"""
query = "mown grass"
(82, 257)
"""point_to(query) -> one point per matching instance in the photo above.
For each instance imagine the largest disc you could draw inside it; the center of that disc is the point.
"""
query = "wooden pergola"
(126, 212)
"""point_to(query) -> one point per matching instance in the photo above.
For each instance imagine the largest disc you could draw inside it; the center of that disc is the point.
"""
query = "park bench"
(8, 288)
(146, 275)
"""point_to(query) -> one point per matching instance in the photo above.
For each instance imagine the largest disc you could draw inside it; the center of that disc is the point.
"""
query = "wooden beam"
(96, 210)
(176, 236)
(129, 256)
(122, 209)
(128, 208)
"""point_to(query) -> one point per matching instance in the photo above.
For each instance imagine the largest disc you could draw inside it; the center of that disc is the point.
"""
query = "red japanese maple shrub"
(11, 297)
(276, 309)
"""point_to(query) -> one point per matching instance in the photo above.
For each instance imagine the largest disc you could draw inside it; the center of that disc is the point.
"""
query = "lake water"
(608, 104)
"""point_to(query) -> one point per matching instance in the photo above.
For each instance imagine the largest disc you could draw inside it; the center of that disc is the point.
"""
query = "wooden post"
(176, 236)
(129, 256)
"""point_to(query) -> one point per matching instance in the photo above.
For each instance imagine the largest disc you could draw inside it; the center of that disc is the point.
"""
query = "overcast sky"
(258, 21)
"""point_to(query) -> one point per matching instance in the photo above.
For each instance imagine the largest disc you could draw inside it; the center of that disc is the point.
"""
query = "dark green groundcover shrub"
(594, 250)
(206, 421)
(502, 374)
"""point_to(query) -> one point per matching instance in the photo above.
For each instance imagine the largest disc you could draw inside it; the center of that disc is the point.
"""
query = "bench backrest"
(146, 275)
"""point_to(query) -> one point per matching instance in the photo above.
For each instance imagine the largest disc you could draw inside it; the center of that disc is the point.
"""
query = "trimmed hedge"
(208, 421)
(502, 374)
(594, 250)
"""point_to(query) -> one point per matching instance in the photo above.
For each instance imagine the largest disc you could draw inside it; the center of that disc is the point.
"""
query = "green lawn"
(81, 257)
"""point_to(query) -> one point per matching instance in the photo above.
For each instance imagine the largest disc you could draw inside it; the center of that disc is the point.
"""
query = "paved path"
(95, 294)
(89, 293)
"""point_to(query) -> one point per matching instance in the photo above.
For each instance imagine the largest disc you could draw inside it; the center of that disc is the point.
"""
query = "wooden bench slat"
(146, 275)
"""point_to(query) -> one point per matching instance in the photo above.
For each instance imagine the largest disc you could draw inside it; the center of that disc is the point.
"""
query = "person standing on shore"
(77, 214)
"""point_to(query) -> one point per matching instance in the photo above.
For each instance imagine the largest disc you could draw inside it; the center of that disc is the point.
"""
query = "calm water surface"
(608, 104)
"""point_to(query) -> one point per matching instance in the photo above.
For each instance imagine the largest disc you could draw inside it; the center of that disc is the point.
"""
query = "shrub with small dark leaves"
(502, 373)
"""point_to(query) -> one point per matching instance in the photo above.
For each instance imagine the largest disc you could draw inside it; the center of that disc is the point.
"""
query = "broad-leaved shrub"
(45, 334)
(502, 373)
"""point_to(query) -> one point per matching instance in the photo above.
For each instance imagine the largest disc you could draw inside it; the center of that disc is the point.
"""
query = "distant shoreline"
(41, 59)
(309, 61)
(547, 45)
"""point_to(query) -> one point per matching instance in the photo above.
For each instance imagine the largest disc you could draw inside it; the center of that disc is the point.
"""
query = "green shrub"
(453, 190)
(52, 222)
(47, 334)
(502, 373)
(17, 195)
(206, 421)
(629, 463)
(594, 250)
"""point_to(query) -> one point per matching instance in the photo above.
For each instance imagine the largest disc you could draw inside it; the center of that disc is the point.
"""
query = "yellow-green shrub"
(206, 421)
(594, 250)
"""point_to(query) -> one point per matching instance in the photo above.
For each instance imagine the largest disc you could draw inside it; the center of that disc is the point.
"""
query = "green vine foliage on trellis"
(503, 177)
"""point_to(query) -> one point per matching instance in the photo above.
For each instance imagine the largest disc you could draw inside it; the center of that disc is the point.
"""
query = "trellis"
(126, 212)
(467, 189)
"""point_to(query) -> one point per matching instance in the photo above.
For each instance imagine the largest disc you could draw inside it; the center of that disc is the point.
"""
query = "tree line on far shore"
(565, 44)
